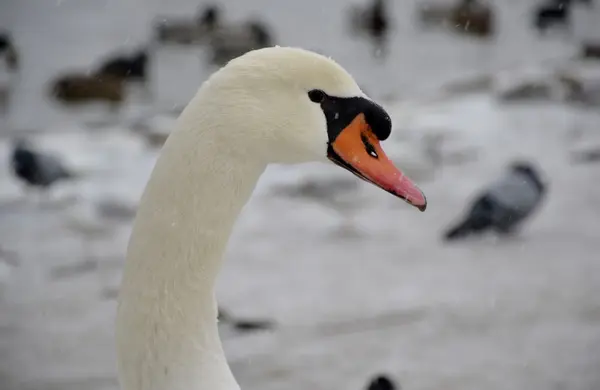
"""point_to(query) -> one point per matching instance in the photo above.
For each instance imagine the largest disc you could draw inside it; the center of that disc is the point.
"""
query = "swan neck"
(167, 336)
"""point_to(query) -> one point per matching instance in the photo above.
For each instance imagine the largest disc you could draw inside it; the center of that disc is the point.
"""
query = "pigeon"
(37, 169)
(381, 382)
(504, 204)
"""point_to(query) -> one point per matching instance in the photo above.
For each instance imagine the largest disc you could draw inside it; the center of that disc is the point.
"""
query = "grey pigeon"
(504, 204)
(35, 168)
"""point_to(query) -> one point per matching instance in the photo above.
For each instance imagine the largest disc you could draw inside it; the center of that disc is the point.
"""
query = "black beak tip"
(423, 207)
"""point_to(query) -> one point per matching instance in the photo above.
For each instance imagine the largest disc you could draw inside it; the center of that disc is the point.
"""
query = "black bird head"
(210, 16)
(5, 41)
(23, 158)
(381, 382)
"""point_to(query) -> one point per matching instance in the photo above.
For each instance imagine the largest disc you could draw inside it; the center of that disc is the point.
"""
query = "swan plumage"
(273, 105)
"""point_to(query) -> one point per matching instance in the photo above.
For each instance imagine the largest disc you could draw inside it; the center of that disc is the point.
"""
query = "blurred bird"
(187, 32)
(5, 41)
(128, 68)
(230, 41)
(372, 20)
(133, 67)
(553, 12)
(504, 204)
(469, 17)
(78, 88)
(8, 51)
(381, 382)
(37, 169)
(474, 18)
(244, 325)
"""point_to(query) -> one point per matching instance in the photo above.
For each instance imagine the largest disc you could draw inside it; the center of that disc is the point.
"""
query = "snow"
(389, 296)
(519, 313)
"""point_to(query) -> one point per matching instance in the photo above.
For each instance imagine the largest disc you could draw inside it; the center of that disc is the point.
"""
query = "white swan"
(279, 105)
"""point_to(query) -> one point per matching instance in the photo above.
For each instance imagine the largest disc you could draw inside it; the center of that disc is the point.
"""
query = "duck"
(188, 32)
(467, 17)
(373, 20)
(132, 67)
(75, 88)
(474, 18)
(280, 105)
(230, 41)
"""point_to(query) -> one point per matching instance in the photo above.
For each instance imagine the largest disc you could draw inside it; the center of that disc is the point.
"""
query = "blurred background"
(329, 282)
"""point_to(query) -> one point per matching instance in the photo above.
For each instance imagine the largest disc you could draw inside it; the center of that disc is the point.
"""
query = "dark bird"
(467, 17)
(209, 17)
(554, 12)
(504, 204)
(375, 19)
(245, 325)
(372, 20)
(473, 17)
(590, 50)
(133, 67)
(381, 382)
(37, 169)
(189, 31)
(77, 88)
(8, 51)
(229, 41)
(5, 41)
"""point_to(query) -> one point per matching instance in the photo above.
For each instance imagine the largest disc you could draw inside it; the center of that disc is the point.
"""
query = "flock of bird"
(501, 206)
(226, 40)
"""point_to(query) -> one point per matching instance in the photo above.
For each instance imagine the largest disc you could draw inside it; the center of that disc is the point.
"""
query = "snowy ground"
(390, 297)
(485, 314)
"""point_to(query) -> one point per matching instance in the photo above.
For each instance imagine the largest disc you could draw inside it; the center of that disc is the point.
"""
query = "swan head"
(291, 105)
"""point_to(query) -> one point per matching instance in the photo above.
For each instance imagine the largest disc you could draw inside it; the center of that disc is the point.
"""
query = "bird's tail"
(70, 174)
(459, 231)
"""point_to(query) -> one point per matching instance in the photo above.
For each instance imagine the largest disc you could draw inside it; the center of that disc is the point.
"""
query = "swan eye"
(316, 95)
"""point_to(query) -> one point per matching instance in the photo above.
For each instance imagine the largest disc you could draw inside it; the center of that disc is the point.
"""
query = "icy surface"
(520, 313)
(358, 281)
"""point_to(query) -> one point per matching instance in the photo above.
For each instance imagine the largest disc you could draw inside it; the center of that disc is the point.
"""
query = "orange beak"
(357, 149)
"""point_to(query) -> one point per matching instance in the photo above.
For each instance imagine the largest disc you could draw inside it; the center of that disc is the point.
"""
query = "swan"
(272, 105)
